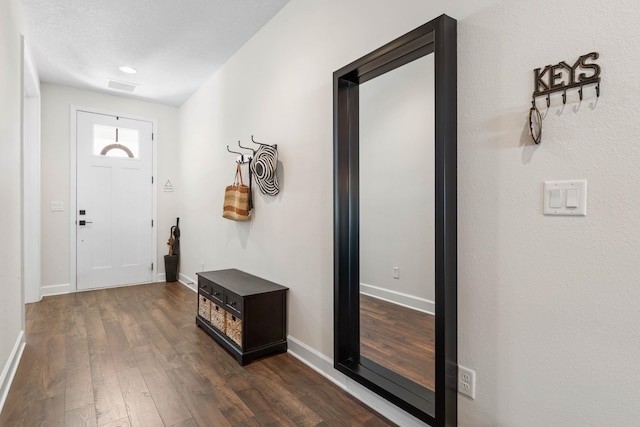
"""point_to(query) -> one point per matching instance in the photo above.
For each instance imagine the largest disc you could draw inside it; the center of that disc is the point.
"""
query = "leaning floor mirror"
(395, 262)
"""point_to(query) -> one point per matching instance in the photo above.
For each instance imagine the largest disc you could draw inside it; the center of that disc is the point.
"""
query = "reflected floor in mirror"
(398, 338)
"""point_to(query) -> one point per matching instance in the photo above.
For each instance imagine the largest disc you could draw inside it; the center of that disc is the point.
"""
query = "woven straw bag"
(236, 199)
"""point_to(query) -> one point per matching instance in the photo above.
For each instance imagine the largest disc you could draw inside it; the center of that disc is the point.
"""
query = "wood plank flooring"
(133, 356)
(398, 338)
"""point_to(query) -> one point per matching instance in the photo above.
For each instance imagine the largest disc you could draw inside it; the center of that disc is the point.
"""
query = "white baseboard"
(51, 290)
(47, 291)
(405, 300)
(324, 366)
(188, 282)
(10, 368)
(182, 278)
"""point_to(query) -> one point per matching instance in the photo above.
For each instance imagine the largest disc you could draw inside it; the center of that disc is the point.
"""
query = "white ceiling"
(175, 45)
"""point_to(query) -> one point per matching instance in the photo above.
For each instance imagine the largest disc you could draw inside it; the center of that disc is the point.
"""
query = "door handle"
(83, 222)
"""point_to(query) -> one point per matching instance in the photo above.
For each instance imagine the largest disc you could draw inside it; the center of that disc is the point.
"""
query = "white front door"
(114, 205)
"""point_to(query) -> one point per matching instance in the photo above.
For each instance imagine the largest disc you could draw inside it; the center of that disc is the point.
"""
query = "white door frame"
(73, 166)
(31, 210)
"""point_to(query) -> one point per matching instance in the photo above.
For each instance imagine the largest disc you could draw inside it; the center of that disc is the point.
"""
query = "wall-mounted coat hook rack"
(231, 151)
(246, 148)
(244, 158)
(260, 143)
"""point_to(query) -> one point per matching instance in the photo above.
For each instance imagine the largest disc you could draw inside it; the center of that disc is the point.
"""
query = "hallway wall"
(547, 305)
(11, 293)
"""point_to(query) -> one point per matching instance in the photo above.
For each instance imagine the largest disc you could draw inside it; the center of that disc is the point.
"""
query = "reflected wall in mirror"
(397, 224)
(395, 208)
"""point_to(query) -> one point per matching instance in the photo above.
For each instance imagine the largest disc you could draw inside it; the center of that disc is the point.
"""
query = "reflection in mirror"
(395, 206)
(397, 235)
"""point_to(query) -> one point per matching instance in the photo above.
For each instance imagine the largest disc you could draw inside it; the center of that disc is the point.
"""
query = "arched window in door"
(117, 142)
(105, 150)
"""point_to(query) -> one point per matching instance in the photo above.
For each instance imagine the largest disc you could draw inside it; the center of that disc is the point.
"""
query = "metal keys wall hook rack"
(564, 91)
(560, 78)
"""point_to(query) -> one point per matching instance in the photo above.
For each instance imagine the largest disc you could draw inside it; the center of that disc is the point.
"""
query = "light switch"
(572, 198)
(565, 197)
(555, 198)
(56, 206)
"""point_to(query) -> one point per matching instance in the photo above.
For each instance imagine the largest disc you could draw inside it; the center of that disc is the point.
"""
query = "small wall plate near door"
(567, 198)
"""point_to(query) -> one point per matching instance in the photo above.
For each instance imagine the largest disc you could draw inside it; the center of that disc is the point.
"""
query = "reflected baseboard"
(324, 366)
(405, 300)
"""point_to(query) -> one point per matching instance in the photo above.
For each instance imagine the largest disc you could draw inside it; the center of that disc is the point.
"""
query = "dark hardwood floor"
(133, 356)
(398, 338)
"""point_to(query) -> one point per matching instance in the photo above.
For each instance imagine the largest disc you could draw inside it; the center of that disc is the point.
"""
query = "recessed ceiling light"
(127, 69)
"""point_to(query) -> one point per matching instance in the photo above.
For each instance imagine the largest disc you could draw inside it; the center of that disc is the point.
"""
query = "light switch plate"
(566, 188)
(57, 206)
(555, 200)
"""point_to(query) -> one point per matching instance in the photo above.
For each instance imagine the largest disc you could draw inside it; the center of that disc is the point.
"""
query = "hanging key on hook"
(535, 123)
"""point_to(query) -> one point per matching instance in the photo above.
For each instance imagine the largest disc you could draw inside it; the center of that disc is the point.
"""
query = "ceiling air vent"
(123, 86)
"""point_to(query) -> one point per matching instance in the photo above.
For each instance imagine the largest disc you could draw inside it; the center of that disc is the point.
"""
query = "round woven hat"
(263, 167)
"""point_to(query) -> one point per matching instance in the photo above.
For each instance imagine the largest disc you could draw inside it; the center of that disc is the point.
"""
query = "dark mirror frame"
(437, 408)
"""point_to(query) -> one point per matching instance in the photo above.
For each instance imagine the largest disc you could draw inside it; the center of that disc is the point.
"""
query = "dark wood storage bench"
(245, 314)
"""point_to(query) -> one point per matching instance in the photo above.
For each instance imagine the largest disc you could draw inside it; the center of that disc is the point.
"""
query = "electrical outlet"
(396, 272)
(467, 382)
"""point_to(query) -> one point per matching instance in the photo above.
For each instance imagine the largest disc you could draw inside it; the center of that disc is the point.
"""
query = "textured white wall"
(56, 102)
(547, 305)
(11, 300)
